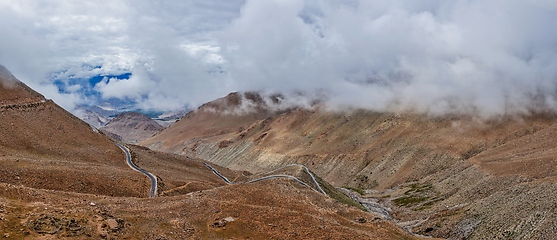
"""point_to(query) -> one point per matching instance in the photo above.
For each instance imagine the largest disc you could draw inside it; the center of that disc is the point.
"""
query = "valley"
(62, 178)
(280, 119)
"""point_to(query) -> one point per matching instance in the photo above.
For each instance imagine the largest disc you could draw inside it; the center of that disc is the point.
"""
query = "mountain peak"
(7, 78)
(13, 91)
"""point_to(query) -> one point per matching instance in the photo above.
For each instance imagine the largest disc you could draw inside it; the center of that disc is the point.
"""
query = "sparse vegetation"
(419, 196)
(419, 188)
(472, 152)
(407, 201)
(358, 190)
(428, 203)
(338, 195)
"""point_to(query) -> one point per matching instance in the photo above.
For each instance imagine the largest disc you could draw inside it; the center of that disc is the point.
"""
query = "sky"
(430, 56)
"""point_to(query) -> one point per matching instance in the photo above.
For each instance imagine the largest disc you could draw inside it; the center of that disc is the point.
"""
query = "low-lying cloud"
(430, 56)
(489, 57)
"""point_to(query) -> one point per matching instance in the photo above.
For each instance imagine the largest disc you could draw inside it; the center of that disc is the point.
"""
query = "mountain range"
(450, 176)
(250, 165)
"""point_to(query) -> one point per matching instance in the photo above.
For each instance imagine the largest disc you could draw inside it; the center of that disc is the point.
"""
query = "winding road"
(319, 189)
(281, 176)
(218, 174)
(153, 178)
(306, 170)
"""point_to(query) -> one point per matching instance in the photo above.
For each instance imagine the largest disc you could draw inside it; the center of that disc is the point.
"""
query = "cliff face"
(460, 164)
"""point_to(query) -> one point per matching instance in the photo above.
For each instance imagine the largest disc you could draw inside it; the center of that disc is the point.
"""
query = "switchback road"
(318, 189)
(136, 168)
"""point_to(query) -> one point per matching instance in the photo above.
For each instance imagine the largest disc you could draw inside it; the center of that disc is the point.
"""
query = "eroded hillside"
(449, 176)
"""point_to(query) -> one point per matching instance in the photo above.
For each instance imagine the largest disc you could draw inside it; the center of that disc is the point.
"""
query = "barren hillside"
(132, 127)
(43, 146)
(450, 176)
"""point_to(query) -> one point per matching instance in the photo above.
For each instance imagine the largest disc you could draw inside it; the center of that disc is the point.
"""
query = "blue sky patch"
(97, 79)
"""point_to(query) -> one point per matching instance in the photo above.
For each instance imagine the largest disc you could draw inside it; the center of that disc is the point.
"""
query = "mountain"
(43, 146)
(132, 127)
(98, 116)
(452, 176)
(12, 91)
(92, 118)
(168, 118)
(61, 178)
(219, 117)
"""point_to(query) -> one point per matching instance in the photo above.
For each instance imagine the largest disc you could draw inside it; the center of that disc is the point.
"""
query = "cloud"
(490, 57)
(61, 41)
(431, 56)
(138, 85)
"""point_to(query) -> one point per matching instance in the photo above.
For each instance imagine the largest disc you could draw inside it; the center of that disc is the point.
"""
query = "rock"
(219, 224)
(113, 224)
(73, 226)
(45, 225)
(92, 204)
(222, 223)
(361, 220)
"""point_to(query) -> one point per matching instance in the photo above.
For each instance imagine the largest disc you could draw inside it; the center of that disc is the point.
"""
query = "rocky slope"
(132, 127)
(449, 176)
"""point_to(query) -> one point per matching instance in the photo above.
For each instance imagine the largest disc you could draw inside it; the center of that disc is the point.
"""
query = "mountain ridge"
(13, 91)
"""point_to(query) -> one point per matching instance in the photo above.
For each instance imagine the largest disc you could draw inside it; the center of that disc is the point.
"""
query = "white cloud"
(431, 56)
(65, 100)
(138, 85)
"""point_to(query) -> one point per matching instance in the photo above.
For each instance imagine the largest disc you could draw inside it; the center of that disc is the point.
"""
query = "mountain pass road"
(153, 178)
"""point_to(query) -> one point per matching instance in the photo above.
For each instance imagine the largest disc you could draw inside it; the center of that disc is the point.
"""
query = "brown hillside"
(193, 204)
(451, 176)
(43, 146)
(132, 127)
(278, 209)
(239, 109)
